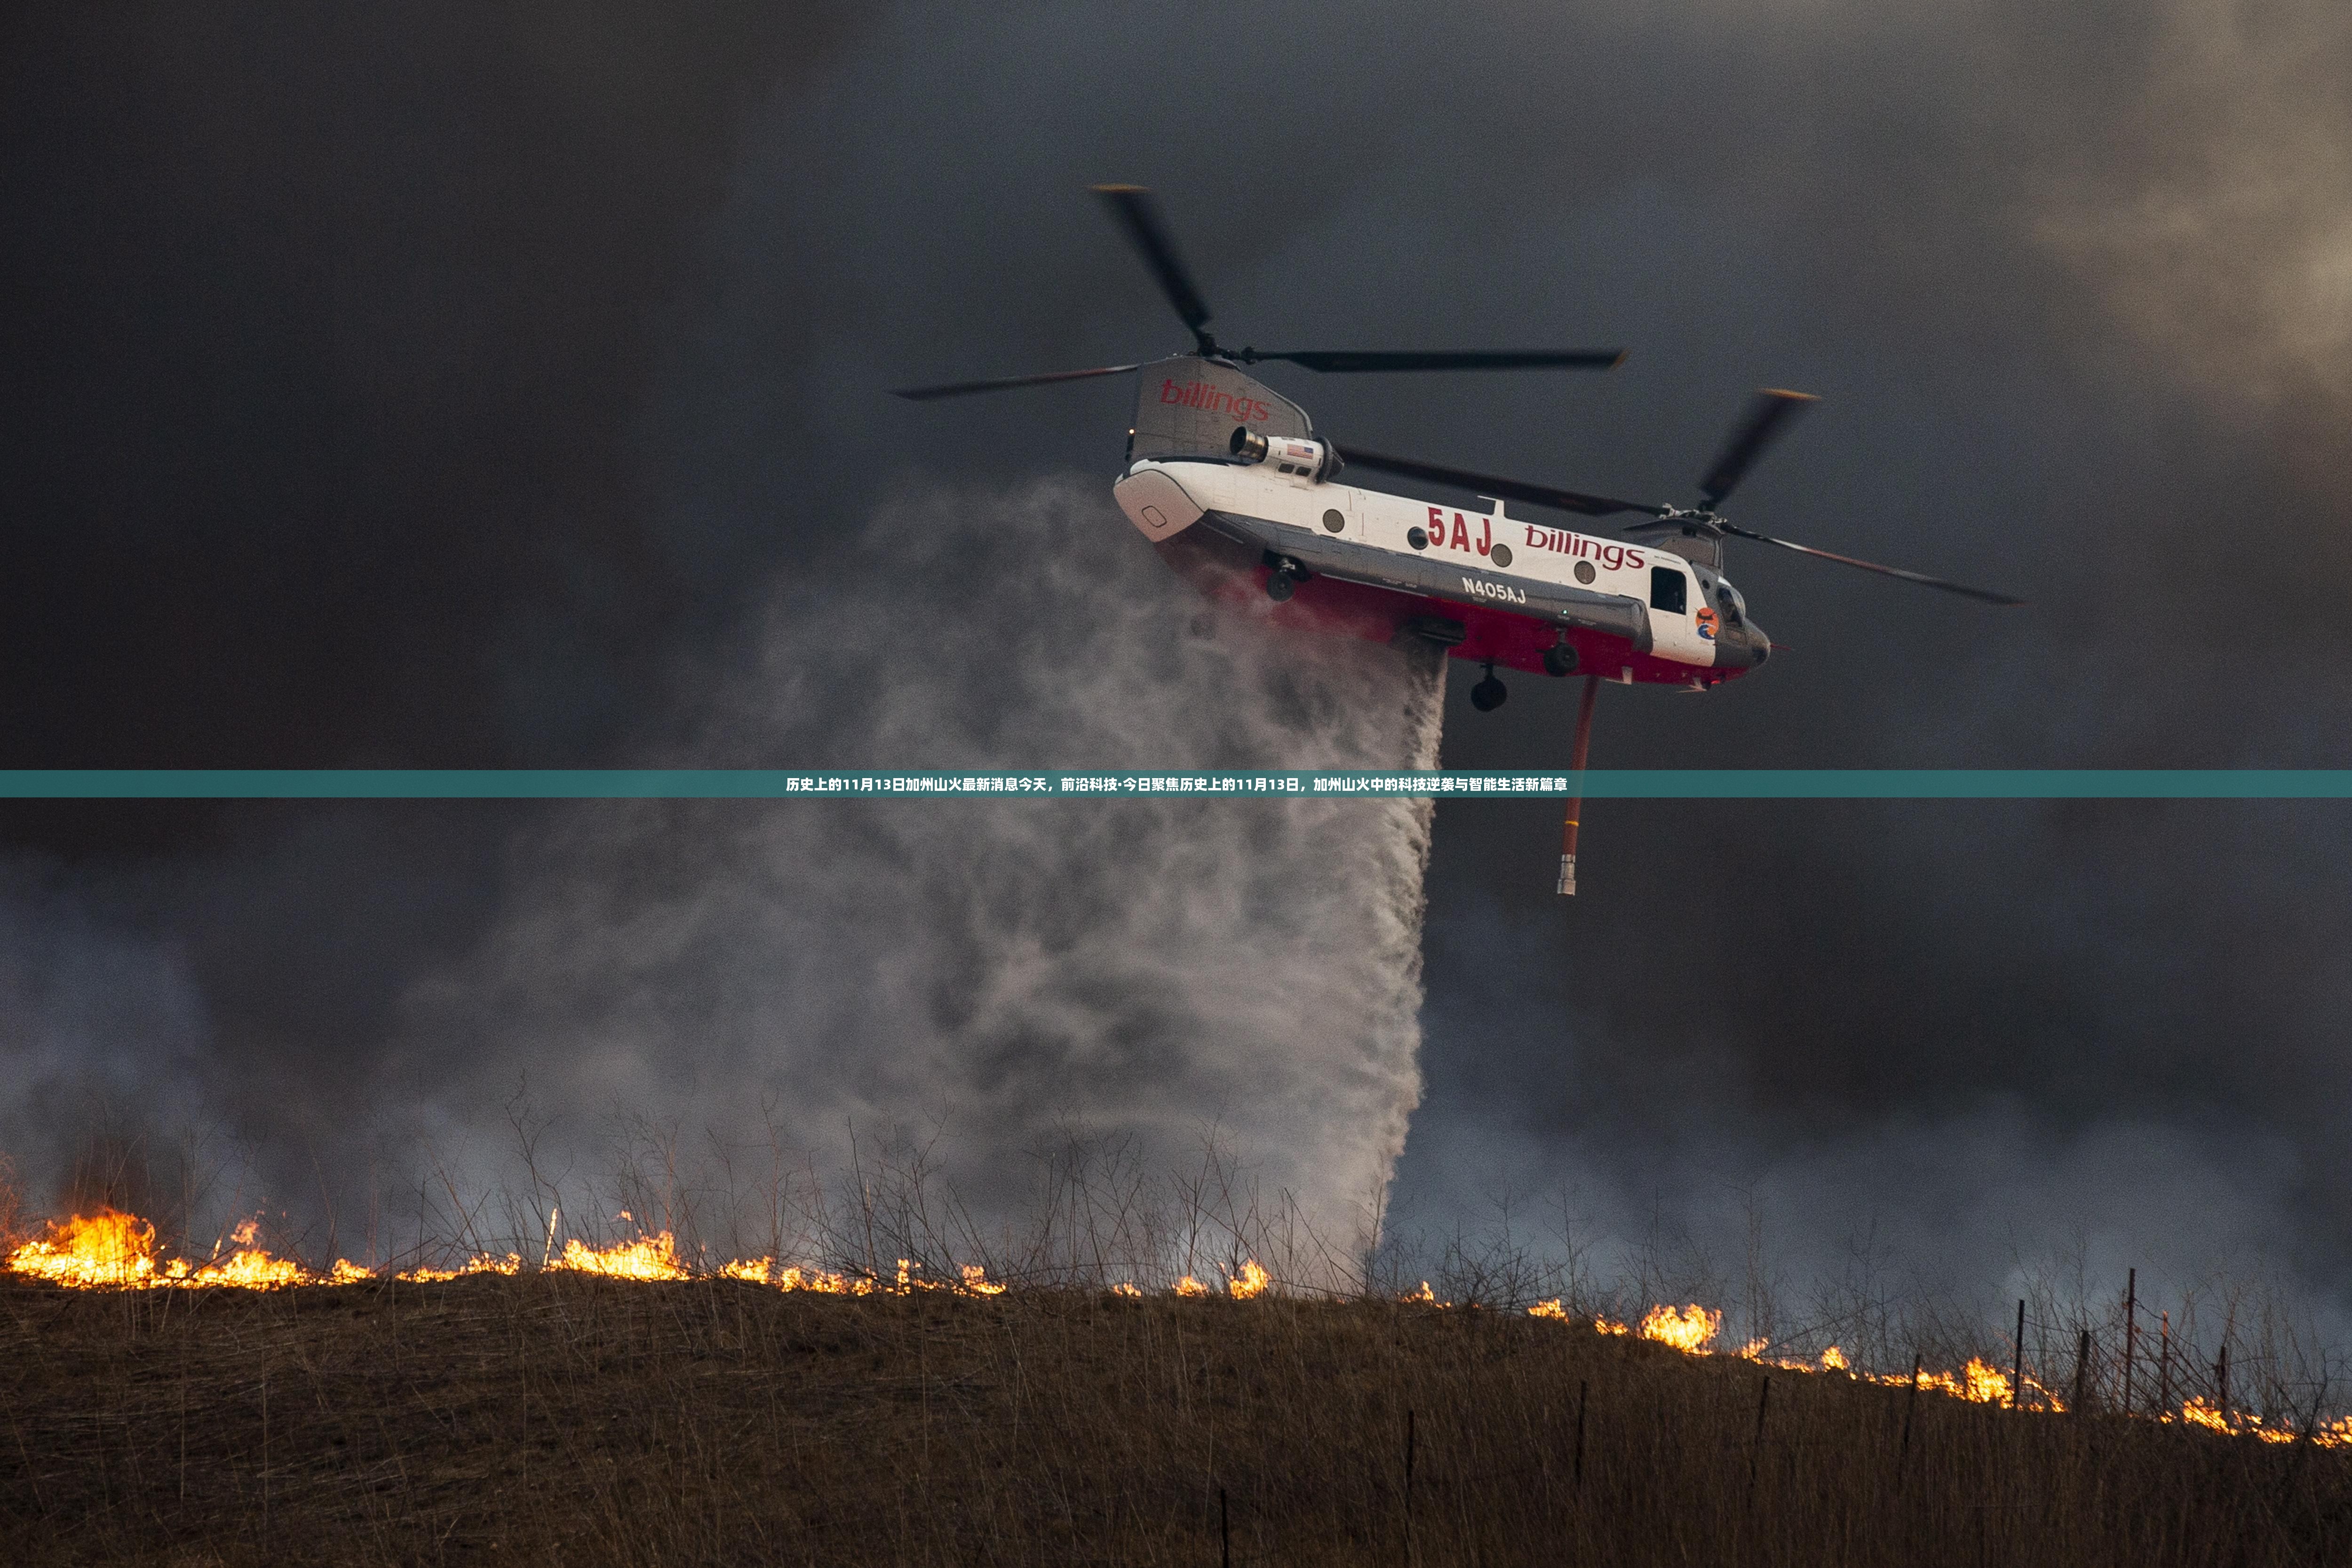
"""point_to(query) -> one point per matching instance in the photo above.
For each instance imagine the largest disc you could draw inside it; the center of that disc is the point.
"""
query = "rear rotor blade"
(1473, 359)
(1007, 382)
(1488, 485)
(1138, 214)
(1987, 595)
(1767, 418)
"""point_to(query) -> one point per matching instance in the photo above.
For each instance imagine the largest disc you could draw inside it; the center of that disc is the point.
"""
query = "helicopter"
(1229, 480)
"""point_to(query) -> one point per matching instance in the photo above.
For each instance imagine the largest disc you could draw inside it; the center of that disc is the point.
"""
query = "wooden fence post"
(1408, 1487)
(1910, 1405)
(2017, 1374)
(1763, 1403)
(2131, 1334)
(1581, 1387)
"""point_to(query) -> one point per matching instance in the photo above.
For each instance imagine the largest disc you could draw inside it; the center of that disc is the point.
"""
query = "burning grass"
(1121, 1384)
(639, 1411)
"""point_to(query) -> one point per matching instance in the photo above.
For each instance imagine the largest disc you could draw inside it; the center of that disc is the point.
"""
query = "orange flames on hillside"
(647, 1257)
(1692, 1330)
(110, 1250)
(349, 1273)
(2336, 1434)
(1689, 1331)
(105, 1250)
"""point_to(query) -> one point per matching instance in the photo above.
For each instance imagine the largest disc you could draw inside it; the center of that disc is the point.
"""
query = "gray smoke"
(997, 976)
(104, 1036)
(2071, 282)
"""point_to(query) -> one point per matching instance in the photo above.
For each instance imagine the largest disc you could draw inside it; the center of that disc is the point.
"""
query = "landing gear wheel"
(1560, 660)
(1489, 694)
(1284, 579)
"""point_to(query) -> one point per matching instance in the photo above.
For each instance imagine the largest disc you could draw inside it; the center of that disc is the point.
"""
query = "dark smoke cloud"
(997, 978)
(2074, 286)
(325, 340)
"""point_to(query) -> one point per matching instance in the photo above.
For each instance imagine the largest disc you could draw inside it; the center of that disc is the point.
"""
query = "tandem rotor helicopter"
(1228, 479)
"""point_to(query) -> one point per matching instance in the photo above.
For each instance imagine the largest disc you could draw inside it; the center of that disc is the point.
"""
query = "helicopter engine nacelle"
(1297, 455)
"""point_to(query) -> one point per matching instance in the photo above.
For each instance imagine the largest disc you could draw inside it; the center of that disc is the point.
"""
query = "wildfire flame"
(109, 1248)
(1689, 1331)
(481, 1263)
(1987, 1385)
(647, 1257)
(2198, 1413)
(250, 1268)
(1978, 1382)
(113, 1250)
(2336, 1434)
(1691, 1328)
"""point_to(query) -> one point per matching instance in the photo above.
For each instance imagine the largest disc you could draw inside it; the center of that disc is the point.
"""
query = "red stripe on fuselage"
(1225, 571)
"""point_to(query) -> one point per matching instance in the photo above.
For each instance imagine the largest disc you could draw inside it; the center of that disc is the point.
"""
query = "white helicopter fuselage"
(1487, 586)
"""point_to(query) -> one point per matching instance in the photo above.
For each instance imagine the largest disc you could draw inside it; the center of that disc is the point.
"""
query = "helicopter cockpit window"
(1728, 596)
(1669, 590)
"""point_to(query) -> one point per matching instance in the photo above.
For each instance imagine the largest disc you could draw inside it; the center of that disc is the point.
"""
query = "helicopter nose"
(1743, 647)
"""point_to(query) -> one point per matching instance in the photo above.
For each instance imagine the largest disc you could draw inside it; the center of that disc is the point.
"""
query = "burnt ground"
(567, 1419)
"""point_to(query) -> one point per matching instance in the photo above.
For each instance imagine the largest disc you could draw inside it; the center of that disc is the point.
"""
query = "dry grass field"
(575, 1420)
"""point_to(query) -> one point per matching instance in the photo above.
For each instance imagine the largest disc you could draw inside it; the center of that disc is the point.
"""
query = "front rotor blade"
(1473, 359)
(1768, 416)
(1488, 485)
(1138, 214)
(1007, 382)
(1987, 595)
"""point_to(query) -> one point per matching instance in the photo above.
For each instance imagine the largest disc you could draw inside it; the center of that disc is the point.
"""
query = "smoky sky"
(475, 386)
(1166, 980)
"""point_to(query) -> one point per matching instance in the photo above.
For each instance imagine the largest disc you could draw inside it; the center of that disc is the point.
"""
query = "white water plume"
(997, 974)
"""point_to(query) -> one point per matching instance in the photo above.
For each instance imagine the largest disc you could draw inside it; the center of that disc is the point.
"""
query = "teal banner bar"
(786, 784)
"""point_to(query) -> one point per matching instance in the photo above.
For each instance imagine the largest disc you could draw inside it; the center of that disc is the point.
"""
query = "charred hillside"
(554, 1418)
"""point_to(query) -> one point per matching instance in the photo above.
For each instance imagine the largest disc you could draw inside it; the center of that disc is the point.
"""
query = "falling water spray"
(998, 975)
